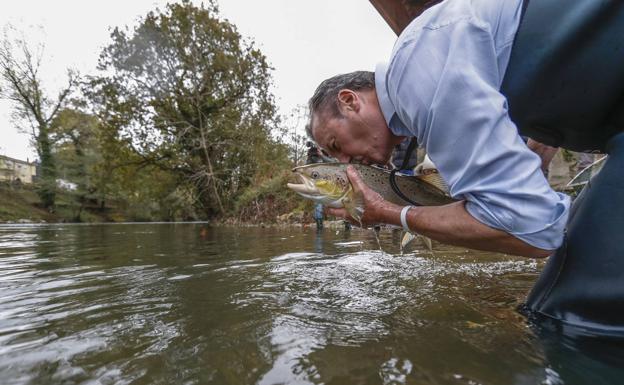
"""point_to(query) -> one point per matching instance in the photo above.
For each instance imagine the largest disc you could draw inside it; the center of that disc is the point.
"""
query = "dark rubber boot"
(583, 282)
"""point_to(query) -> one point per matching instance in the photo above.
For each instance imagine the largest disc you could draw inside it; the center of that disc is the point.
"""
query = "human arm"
(457, 112)
(450, 224)
(545, 152)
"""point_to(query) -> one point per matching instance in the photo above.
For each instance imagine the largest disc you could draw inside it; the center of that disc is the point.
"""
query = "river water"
(193, 304)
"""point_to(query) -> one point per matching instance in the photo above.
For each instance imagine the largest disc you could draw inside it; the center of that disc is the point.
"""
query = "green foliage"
(264, 201)
(77, 152)
(184, 93)
(179, 125)
(46, 184)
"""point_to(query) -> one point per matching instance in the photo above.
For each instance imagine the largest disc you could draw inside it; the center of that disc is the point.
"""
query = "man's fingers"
(335, 212)
(342, 213)
(355, 178)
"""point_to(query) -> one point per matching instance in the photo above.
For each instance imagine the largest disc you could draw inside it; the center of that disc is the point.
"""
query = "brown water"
(191, 304)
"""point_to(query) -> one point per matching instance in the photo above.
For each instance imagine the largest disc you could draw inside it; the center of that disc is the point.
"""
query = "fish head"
(325, 183)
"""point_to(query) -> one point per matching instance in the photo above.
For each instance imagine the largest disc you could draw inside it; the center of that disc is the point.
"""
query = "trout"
(327, 183)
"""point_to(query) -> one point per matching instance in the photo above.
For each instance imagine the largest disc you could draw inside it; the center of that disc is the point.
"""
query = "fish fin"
(434, 179)
(407, 238)
(354, 211)
(354, 205)
(426, 241)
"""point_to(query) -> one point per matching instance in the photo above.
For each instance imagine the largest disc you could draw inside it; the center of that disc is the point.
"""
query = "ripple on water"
(93, 307)
(349, 244)
(51, 316)
(353, 299)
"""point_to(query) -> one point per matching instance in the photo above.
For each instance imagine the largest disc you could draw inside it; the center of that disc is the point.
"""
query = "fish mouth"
(306, 188)
(309, 190)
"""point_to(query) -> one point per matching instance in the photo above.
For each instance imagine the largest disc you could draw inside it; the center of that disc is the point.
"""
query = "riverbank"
(20, 204)
(267, 204)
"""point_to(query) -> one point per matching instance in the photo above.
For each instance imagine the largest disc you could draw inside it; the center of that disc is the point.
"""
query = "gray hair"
(326, 94)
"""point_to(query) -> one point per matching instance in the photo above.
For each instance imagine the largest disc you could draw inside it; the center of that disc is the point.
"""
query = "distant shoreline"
(336, 224)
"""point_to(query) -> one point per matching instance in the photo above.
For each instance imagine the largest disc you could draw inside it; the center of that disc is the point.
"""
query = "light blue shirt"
(442, 85)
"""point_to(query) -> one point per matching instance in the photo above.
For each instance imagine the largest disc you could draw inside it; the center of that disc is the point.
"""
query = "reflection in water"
(318, 242)
(578, 357)
(187, 303)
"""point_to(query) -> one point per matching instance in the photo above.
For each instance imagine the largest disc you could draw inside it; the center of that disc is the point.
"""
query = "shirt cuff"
(547, 237)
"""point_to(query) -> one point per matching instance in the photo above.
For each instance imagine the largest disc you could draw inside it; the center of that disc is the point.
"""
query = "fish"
(581, 179)
(328, 184)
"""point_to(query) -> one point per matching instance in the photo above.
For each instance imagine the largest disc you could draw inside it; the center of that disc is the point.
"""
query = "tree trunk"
(47, 180)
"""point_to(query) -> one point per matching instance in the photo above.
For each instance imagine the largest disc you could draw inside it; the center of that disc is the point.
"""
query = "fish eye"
(315, 174)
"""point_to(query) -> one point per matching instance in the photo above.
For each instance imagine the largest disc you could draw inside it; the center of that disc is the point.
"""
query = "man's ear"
(348, 100)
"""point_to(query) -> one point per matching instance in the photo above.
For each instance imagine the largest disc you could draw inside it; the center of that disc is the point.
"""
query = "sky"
(305, 41)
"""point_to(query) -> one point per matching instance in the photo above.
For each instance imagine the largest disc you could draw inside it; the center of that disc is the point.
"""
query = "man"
(442, 85)
(314, 156)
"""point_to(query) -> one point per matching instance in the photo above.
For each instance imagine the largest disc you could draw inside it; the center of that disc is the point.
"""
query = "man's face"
(360, 134)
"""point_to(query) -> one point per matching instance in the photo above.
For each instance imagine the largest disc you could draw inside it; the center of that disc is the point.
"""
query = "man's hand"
(450, 224)
(373, 204)
(545, 152)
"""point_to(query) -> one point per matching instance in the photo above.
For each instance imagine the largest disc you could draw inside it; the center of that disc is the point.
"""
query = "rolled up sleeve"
(444, 84)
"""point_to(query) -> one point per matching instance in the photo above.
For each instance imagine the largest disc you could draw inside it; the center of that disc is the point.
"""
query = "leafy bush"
(265, 201)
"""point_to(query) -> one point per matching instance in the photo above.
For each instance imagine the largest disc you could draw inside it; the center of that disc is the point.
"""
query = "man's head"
(346, 120)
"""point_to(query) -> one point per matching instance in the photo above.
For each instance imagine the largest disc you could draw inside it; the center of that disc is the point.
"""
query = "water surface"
(192, 304)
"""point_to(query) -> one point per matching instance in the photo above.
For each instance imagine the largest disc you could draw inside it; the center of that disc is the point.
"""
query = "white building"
(14, 169)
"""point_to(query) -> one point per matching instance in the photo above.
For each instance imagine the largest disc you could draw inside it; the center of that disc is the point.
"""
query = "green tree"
(77, 152)
(186, 93)
(104, 170)
(33, 108)
(74, 134)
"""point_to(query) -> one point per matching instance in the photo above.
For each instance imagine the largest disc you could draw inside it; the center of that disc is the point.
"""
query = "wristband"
(404, 218)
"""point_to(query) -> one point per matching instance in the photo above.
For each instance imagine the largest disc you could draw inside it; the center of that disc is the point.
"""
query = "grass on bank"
(266, 202)
(19, 202)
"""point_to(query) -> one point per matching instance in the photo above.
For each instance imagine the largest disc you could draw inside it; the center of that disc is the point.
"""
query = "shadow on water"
(188, 303)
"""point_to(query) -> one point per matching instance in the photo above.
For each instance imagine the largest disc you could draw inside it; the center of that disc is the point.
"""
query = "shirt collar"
(382, 92)
(387, 108)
